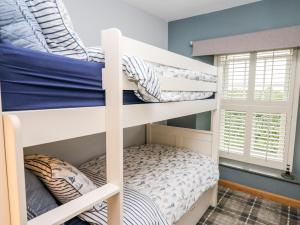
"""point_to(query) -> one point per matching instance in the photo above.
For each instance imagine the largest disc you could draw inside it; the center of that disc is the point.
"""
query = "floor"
(237, 208)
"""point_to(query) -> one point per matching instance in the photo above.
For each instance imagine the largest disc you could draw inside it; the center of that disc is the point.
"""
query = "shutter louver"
(232, 131)
(268, 135)
(272, 81)
(236, 75)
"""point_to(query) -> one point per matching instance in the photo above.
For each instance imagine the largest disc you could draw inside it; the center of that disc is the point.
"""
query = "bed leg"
(149, 133)
(214, 197)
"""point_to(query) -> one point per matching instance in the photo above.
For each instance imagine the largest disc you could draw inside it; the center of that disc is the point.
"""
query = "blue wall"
(267, 14)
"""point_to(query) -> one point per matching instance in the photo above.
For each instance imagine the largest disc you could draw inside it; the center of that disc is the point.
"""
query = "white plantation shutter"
(273, 71)
(268, 136)
(257, 106)
(235, 83)
(232, 131)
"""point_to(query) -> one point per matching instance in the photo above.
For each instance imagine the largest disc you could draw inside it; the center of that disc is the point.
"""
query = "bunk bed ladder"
(113, 85)
(112, 191)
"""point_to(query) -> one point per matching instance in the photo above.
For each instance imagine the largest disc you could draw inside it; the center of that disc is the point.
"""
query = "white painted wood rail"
(112, 45)
(58, 215)
(160, 56)
(157, 55)
(61, 124)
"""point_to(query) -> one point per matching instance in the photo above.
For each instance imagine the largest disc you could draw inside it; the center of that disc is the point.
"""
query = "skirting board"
(260, 193)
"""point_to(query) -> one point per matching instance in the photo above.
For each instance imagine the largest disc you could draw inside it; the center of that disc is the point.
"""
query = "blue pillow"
(19, 27)
(38, 198)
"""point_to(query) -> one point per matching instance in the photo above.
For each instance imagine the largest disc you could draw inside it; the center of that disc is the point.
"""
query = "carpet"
(236, 208)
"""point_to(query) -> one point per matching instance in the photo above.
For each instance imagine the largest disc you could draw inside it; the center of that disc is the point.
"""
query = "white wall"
(91, 16)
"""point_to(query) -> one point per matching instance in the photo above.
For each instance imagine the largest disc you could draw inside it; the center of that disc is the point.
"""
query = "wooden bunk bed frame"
(29, 128)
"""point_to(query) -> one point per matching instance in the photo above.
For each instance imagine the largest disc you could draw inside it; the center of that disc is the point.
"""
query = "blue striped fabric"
(136, 70)
(57, 28)
(95, 54)
(143, 73)
(138, 208)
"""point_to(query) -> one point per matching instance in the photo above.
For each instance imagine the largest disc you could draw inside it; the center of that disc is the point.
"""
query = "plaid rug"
(236, 208)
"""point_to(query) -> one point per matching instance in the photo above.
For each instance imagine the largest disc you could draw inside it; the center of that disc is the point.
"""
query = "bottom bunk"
(163, 184)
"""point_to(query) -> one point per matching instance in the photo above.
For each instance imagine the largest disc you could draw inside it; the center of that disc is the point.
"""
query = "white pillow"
(64, 181)
(57, 28)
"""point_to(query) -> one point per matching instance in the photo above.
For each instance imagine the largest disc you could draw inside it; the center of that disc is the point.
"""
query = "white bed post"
(15, 169)
(113, 85)
(4, 201)
(215, 128)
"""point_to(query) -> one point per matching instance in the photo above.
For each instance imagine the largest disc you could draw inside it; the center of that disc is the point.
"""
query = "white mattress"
(173, 178)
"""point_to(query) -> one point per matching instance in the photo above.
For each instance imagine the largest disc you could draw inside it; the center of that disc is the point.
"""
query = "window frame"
(289, 107)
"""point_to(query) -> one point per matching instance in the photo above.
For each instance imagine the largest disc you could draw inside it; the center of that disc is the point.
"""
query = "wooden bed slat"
(61, 124)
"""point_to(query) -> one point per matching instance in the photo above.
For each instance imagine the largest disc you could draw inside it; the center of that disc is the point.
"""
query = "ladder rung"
(73, 208)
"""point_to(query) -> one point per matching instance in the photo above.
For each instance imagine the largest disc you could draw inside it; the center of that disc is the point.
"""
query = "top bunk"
(55, 91)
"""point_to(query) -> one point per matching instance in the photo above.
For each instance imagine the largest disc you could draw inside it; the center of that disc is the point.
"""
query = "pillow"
(57, 28)
(19, 27)
(95, 54)
(35, 191)
(64, 181)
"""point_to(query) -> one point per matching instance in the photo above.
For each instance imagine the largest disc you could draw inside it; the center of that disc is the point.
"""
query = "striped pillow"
(57, 28)
(96, 54)
(64, 181)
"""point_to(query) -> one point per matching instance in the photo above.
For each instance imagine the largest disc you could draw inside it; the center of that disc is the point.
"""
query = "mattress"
(173, 178)
(146, 75)
(33, 80)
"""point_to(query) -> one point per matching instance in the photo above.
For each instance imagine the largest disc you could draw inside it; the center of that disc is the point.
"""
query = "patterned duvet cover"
(173, 178)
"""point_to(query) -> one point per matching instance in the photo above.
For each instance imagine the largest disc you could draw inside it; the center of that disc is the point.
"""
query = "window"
(258, 107)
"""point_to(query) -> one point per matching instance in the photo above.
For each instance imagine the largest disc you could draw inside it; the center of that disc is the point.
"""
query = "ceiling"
(170, 10)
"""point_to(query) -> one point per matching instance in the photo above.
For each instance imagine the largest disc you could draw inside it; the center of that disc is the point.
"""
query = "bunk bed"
(30, 127)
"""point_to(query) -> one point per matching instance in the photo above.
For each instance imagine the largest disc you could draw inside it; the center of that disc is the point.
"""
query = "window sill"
(255, 169)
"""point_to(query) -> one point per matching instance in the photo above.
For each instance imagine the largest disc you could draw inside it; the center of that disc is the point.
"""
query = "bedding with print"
(173, 178)
(67, 183)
